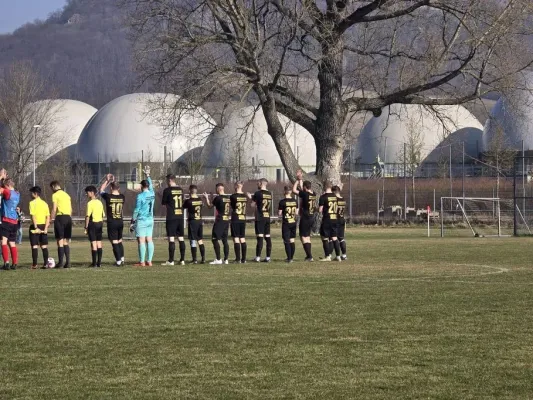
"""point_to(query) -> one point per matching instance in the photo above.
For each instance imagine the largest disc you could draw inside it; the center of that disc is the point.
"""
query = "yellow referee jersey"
(62, 200)
(40, 210)
(95, 211)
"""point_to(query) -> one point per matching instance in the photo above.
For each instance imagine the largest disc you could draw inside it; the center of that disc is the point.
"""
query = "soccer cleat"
(309, 259)
(288, 261)
(226, 262)
(338, 258)
(266, 260)
(34, 267)
(6, 267)
(168, 263)
(139, 264)
(98, 266)
(149, 264)
(243, 261)
(182, 262)
(257, 259)
(328, 258)
(92, 266)
(13, 266)
(194, 262)
(216, 262)
(123, 260)
(118, 263)
(344, 257)
(66, 266)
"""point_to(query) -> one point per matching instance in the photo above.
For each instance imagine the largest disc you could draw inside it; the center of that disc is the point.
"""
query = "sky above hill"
(14, 13)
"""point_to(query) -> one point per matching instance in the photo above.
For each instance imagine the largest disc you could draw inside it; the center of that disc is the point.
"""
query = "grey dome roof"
(473, 142)
(245, 135)
(134, 123)
(386, 134)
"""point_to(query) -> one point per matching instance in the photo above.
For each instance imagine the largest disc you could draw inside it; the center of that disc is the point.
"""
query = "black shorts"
(38, 239)
(262, 227)
(288, 231)
(175, 227)
(306, 226)
(63, 227)
(9, 231)
(95, 231)
(341, 227)
(196, 230)
(220, 230)
(238, 230)
(328, 229)
(115, 230)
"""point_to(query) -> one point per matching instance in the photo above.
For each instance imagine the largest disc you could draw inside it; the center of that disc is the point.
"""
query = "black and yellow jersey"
(341, 209)
(238, 203)
(263, 201)
(194, 205)
(173, 200)
(288, 207)
(307, 203)
(328, 202)
(222, 207)
(114, 205)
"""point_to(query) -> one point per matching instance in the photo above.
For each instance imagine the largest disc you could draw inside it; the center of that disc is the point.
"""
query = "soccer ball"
(51, 263)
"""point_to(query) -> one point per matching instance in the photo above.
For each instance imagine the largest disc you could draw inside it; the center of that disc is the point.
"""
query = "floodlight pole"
(405, 181)
(35, 129)
(463, 184)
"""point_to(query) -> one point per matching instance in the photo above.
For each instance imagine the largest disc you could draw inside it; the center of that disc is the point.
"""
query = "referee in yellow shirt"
(61, 215)
(94, 225)
(40, 221)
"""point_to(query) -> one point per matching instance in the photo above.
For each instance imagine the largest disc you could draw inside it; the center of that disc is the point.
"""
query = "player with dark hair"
(221, 202)
(61, 215)
(195, 231)
(94, 225)
(143, 220)
(341, 221)
(114, 202)
(328, 230)
(287, 210)
(307, 209)
(9, 226)
(238, 201)
(263, 208)
(175, 222)
(40, 221)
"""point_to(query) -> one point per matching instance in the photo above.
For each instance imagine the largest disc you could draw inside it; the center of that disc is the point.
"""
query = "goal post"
(481, 216)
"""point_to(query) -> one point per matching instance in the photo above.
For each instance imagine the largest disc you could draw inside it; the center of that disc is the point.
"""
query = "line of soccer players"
(230, 216)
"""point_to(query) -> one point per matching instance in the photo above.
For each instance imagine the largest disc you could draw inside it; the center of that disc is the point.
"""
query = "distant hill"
(83, 50)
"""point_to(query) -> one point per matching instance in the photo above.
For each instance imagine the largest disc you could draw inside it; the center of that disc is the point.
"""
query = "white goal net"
(479, 217)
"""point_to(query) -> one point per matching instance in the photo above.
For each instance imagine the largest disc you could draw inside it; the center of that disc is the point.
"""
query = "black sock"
(288, 250)
(67, 254)
(60, 255)
(99, 252)
(182, 250)
(259, 247)
(331, 247)
(343, 246)
(34, 255)
(325, 245)
(337, 247)
(116, 251)
(202, 252)
(45, 255)
(307, 249)
(293, 250)
(237, 248)
(194, 252)
(268, 241)
(244, 247)
(171, 251)
(93, 255)
(226, 248)
(216, 246)
(121, 248)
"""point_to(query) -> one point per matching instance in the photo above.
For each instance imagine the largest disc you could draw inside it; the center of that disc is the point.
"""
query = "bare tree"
(81, 177)
(26, 101)
(320, 62)
(499, 154)
(411, 156)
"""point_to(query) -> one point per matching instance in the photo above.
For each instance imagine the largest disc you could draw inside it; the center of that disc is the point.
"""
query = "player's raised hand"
(109, 178)
(206, 195)
(3, 173)
(146, 170)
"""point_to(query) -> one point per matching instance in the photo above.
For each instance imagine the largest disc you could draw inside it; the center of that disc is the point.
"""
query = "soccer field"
(405, 317)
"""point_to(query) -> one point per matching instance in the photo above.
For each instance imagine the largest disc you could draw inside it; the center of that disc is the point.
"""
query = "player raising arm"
(287, 211)
(221, 202)
(143, 219)
(307, 209)
(40, 221)
(114, 203)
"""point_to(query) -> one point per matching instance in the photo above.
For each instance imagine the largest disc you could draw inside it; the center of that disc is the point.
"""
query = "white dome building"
(243, 147)
(140, 126)
(384, 136)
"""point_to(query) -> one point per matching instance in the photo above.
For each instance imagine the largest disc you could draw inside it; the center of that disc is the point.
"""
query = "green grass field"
(406, 317)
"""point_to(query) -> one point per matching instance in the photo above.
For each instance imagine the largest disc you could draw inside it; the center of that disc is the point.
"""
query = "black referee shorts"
(196, 230)
(288, 231)
(9, 231)
(38, 239)
(220, 230)
(328, 229)
(262, 227)
(115, 230)
(306, 226)
(95, 231)
(341, 228)
(175, 227)
(63, 227)
(238, 230)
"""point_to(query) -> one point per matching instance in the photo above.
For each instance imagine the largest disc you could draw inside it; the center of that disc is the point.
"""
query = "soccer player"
(94, 225)
(114, 202)
(9, 227)
(175, 223)
(307, 209)
(143, 219)
(238, 201)
(328, 231)
(221, 226)
(61, 215)
(195, 232)
(287, 210)
(341, 221)
(263, 208)
(40, 221)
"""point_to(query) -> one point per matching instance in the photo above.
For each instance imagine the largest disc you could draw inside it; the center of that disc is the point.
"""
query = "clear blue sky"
(14, 13)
